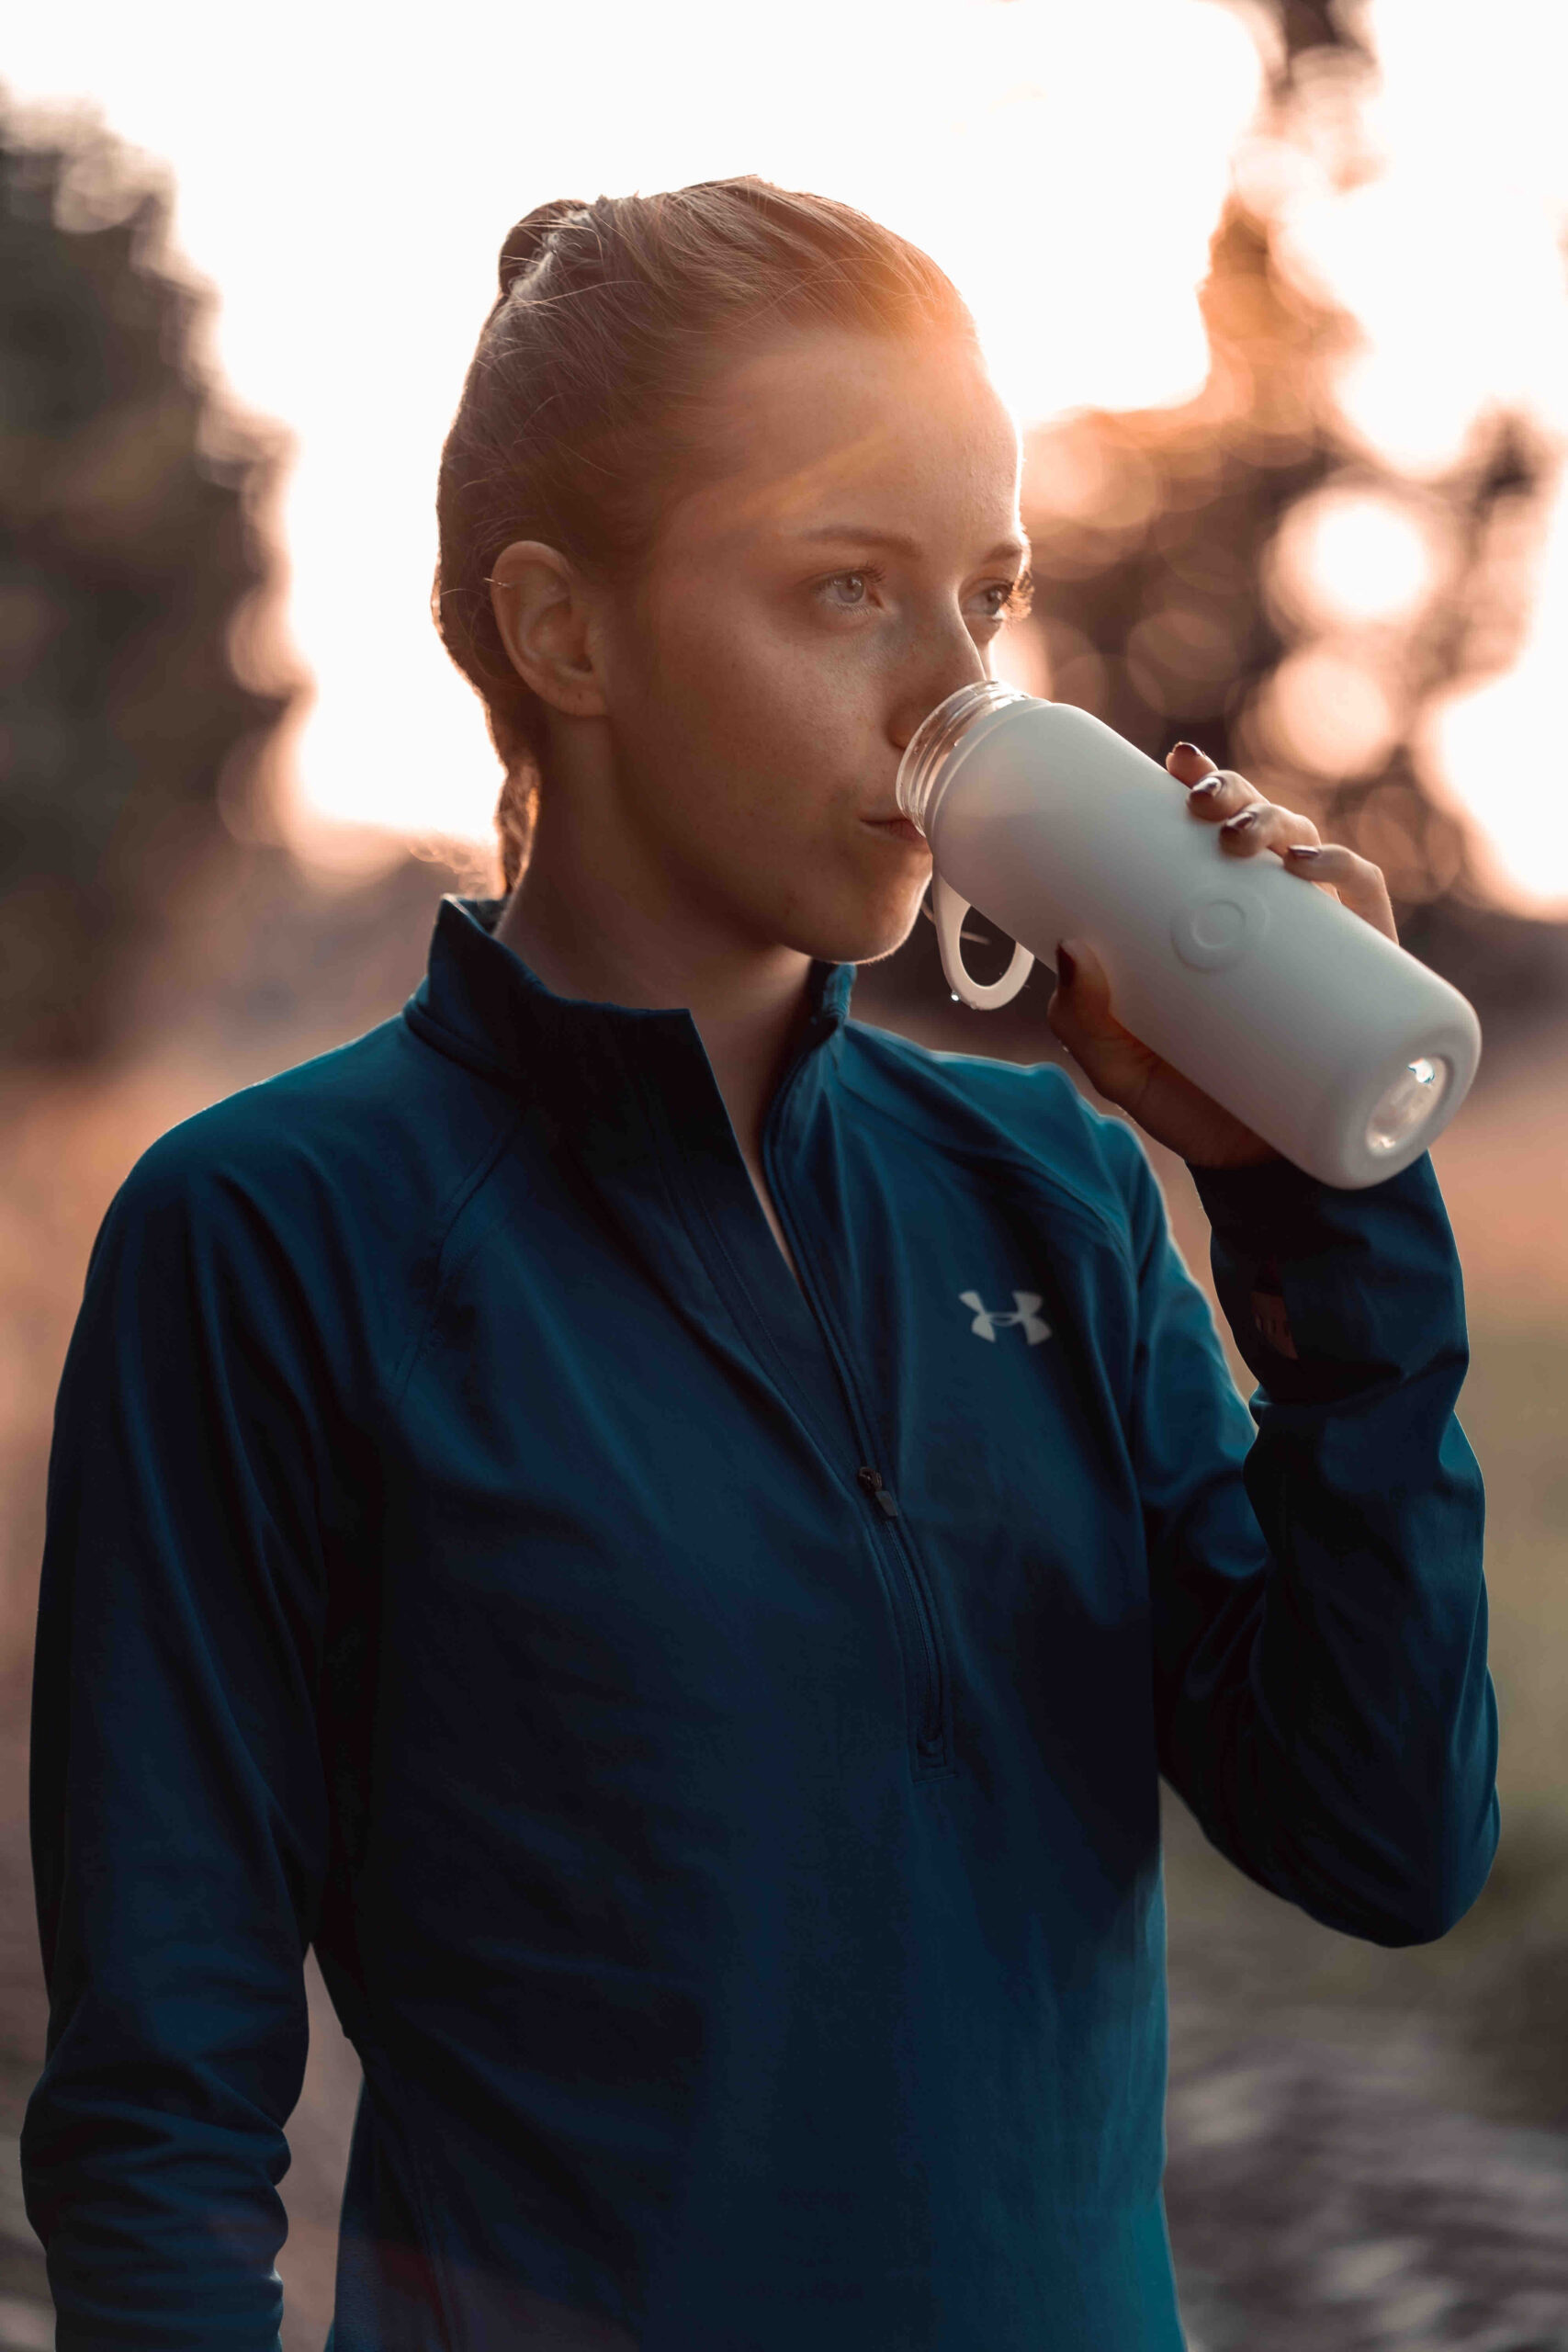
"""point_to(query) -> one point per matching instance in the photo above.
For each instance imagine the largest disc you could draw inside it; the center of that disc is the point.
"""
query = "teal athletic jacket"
(709, 1729)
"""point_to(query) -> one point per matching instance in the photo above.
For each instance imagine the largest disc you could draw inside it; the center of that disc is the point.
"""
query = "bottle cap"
(925, 769)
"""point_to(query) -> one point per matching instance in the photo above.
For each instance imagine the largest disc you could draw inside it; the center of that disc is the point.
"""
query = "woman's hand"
(1167, 1105)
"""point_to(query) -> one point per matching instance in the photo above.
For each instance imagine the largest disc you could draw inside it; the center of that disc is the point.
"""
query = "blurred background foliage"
(1366, 2148)
(146, 698)
(1174, 552)
(128, 554)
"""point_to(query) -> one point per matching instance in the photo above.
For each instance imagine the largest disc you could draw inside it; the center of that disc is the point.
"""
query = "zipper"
(929, 1713)
(910, 1594)
(881, 1494)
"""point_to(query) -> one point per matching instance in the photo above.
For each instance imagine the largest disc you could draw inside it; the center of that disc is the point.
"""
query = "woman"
(549, 1508)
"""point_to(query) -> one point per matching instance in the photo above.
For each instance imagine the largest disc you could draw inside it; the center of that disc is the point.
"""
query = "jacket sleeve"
(179, 1815)
(1319, 1615)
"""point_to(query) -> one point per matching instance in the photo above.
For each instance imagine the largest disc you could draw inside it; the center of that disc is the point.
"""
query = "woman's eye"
(849, 589)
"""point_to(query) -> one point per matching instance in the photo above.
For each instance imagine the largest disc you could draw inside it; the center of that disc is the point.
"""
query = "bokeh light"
(1510, 732)
(1327, 709)
(1348, 557)
(350, 210)
(1068, 164)
(1445, 239)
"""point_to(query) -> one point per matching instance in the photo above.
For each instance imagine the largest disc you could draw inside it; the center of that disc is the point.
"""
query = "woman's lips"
(897, 829)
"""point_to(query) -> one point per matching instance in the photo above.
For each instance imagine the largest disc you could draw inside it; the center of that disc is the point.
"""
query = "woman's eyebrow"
(1010, 550)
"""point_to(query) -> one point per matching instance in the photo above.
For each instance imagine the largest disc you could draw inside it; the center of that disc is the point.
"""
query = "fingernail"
(1301, 849)
(1185, 747)
(1201, 791)
(1066, 971)
(1241, 821)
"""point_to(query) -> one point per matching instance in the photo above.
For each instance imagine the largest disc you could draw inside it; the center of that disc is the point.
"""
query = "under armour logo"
(1026, 1311)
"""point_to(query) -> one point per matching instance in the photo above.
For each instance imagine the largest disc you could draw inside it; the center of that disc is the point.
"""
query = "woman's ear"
(541, 608)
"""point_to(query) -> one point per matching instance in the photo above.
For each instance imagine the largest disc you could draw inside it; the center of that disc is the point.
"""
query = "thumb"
(1080, 1012)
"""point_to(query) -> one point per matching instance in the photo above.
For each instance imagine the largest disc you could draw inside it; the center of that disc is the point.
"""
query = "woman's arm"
(1319, 1612)
(179, 1816)
(1319, 1615)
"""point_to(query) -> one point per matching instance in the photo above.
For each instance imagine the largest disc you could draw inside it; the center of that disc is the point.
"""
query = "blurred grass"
(1370, 2148)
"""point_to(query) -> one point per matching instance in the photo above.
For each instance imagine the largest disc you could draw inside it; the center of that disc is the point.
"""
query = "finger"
(1080, 1014)
(1263, 824)
(1188, 765)
(1084, 986)
(1360, 883)
(1219, 795)
(1121, 1067)
(1213, 792)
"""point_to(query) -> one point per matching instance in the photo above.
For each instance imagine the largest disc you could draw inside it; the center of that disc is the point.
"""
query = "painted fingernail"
(1241, 821)
(1304, 849)
(1185, 746)
(1201, 791)
(1066, 971)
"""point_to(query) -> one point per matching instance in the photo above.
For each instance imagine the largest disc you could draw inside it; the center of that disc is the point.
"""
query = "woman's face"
(842, 565)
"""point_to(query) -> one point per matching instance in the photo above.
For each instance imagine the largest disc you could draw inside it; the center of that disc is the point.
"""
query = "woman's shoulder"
(373, 1133)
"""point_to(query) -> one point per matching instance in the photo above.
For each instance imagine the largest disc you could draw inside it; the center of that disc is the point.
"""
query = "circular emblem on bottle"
(1217, 929)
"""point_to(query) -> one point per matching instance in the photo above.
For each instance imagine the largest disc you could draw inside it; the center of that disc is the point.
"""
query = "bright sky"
(346, 181)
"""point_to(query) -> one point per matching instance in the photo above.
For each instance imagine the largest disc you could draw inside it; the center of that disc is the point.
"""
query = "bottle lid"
(926, 766)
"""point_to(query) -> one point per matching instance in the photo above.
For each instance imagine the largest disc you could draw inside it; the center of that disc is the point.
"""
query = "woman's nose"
(961, 665)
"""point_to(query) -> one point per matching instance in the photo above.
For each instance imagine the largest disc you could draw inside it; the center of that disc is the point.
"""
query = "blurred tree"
(128, 546)
(130, 558)
(1307, 25)
(1163, 597)
(1153, 537)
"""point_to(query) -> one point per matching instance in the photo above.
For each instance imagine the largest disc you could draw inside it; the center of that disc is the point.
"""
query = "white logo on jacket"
(1026, 1312)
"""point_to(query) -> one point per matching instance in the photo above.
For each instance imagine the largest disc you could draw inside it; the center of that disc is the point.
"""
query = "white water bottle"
(1324, 1037)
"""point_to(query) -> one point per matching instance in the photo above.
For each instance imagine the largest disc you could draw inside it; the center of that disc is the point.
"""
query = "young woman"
(538, 1513)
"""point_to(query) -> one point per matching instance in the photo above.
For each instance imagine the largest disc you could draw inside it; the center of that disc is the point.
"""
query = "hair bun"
(525, 242)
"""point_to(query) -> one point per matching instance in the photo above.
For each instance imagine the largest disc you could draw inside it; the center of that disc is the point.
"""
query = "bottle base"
(1407, 1106)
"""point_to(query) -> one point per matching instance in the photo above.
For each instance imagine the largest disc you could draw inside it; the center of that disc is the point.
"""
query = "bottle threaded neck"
(928, 762)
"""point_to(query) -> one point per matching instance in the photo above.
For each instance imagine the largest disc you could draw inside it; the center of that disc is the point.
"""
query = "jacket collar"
(480, 1003)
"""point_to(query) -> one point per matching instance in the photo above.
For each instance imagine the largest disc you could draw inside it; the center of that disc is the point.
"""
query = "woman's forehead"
(827, 425)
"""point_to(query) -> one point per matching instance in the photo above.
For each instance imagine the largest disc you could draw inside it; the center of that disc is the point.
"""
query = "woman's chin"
(862, 934)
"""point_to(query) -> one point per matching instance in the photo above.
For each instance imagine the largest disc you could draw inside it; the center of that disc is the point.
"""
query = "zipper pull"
(883, 1497)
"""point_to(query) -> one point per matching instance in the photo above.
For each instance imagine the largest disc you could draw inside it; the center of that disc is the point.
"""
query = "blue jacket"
(710, 1730)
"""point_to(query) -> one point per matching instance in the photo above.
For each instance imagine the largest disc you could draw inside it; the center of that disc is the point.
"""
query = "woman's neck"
(588, 931)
